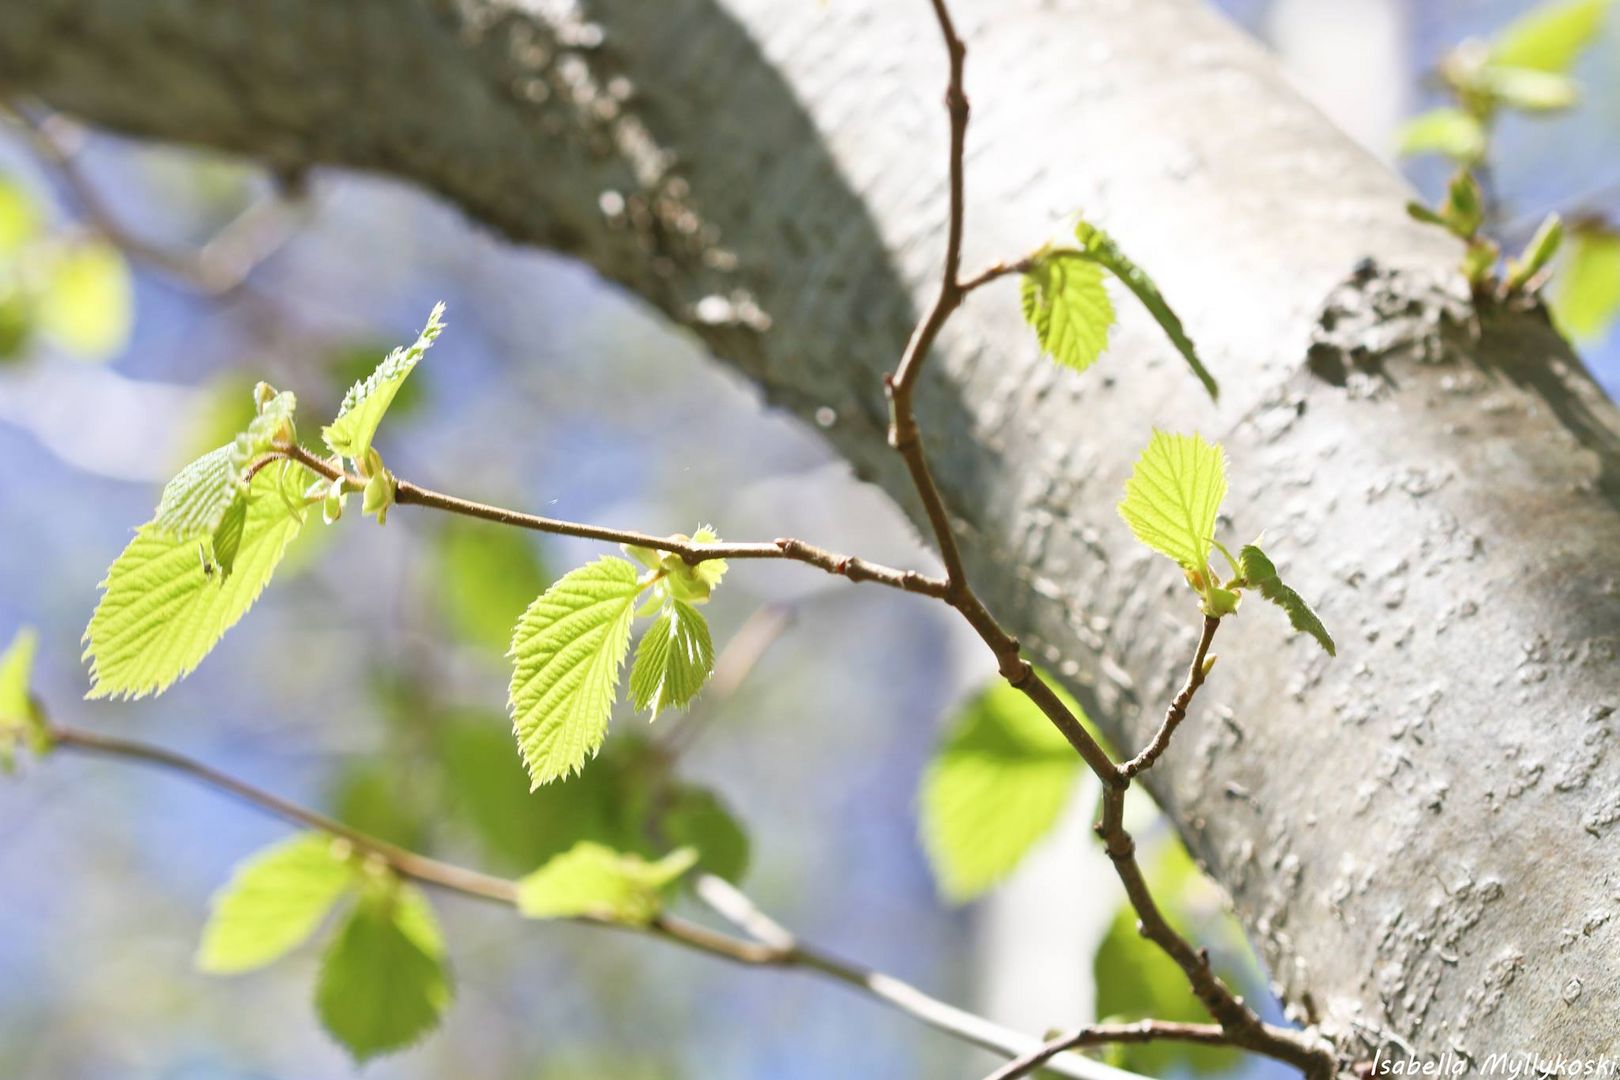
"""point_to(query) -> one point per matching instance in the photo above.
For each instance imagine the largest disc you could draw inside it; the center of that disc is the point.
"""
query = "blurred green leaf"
(378, 796)
(998, 783)
(383, 983)
(1549, 36)
(1587, 298)
(1527, 89)
(20, 218)
(486, 575)
(19, 721)
(1136, 981)
(274, 902)
(594, 880)
(698, 819)
(87, 306)
(1448, 131)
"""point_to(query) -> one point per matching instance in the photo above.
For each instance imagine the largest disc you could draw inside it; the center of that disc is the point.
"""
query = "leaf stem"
(1177, 711)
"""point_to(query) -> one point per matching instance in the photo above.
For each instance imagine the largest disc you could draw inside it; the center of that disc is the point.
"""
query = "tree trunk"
(1419, 835)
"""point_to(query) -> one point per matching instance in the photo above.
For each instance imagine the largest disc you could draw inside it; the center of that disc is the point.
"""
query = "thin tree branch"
(1104, 1034)
(847, 566)
(1177, 712)
(217, 267)
(776, 948)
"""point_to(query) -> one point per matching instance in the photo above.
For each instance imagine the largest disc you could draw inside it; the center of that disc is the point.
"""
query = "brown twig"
(1111, 1034)
(778, 949)
(848, 566)
(1177, 712)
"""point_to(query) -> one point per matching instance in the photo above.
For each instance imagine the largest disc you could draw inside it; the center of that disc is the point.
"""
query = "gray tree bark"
(1421, 835)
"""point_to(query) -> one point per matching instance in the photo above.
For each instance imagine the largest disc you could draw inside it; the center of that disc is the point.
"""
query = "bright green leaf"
(1587, 299)
(592, 880)
(165, 604)
(1528, 90)
(1537, 253)
(367, 402)
(1259, 573)
(20, 217)
(274, 902)
(566, 653)
(696, 818)
(998, 783)
(1101, 248)
(1173, 495)
(197, 499)
(88, 303)
(1065, 301)
(19, 721)
(484, 576)
(383, 982)
(1549, 36)
(1449, 131)
(674, 659)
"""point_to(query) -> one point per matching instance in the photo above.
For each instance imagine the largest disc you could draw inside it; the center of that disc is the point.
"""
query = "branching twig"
(769, 944)
(1178, 707)
(855, 569)
(217, 267)
(1105, 1034)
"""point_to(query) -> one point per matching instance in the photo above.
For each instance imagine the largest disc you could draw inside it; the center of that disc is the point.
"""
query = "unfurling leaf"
(1101, 248)
(1066, 303)
(997, 785)
(196, 500)
(1173, 495)
(19, 721)
(367, 402)
(592, 880)
(1549, 36)
(1588, 296)
(566, 653)
(674, 660)
(1537, 253)
(1260, 574)
(165, 603)
(1449, 131)
(87, 305)
(275, 901)
(678, 578)
(383, 982)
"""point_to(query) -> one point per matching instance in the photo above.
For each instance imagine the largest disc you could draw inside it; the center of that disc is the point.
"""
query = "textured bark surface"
(1423, 836)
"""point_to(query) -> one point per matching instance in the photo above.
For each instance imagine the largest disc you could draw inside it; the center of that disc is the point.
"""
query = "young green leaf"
(696, 818)
(674, 660)
(196, 500)
(997, 785)
(1588, 296)
(20, 217)
(566, 653)
(1101, 248)
(1449, 131)
(1065, 301)
(1528, 90)
(1259, 573)
(19, 722)
(274, 901)
(1550, 36)
(367, 402)
(165, 605)
(1173, 495)
(87, 306)
(383, 982)
(592, 880)
(1537, 253)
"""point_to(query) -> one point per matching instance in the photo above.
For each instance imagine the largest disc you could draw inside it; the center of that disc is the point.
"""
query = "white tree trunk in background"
(1420, 836)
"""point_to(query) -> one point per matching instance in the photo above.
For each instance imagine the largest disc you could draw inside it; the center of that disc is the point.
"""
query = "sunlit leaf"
(1527, 89)
(87, 305)
(590, 879)
(367, 402)
(997, 784)
(566, 654)
(383, 982)
(274, 902)
(1448, 131)
(1587, 298)
(165, 604)
(1066, 303)
(674, 659)
(1549, 36)
(1173, 495)
(19, 721)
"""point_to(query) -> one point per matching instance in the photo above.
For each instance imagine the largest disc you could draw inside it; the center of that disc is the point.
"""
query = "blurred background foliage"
(370, 681)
